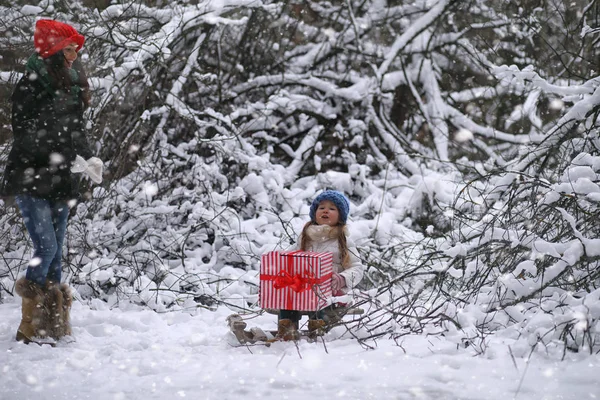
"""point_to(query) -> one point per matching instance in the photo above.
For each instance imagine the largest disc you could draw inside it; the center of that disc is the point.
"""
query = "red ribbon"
(296, 282)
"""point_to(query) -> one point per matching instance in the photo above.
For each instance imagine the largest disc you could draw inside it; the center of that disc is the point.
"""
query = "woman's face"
(70, 53)
(327, 213)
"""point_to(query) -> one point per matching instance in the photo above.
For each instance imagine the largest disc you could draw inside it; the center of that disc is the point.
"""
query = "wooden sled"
(255, 335)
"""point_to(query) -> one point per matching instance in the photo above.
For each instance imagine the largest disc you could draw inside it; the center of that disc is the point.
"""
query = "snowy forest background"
(465, 133)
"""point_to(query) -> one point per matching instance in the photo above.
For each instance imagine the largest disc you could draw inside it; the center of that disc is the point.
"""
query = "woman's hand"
(93, 168)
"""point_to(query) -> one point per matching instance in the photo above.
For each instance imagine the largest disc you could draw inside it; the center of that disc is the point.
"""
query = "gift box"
(295, 280)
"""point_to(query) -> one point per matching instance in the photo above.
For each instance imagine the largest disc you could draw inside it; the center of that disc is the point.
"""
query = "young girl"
(325, 232)
(48, 130)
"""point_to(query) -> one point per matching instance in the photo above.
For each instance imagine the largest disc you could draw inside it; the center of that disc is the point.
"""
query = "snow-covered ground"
(131, 353)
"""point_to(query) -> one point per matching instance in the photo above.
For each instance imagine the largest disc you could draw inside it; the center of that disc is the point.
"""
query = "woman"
(47, 123)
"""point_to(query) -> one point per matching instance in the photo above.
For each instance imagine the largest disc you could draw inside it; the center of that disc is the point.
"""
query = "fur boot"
(67, 303)
(316, 327)
(58, 302)
(34, 318)
(287, 330)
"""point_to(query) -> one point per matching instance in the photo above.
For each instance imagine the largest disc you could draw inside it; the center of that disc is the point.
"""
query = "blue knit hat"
(337, 198)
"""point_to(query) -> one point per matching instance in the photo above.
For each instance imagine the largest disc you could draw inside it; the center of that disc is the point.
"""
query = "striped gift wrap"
(295, 280)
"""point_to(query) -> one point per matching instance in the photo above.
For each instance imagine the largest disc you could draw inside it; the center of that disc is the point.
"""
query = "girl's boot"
(316, 327)
(287, 330)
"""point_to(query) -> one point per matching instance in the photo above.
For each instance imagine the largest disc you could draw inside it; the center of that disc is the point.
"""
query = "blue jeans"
(46, 222)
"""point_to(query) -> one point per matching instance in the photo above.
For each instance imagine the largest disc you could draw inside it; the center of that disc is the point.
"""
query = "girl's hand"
(337, 282)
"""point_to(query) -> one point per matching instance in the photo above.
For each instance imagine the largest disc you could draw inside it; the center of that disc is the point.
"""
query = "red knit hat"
(52, 36)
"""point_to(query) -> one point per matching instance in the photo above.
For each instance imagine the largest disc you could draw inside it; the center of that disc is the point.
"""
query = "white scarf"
(322, 233)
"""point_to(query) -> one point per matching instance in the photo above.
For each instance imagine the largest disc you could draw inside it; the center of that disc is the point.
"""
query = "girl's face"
(327, 213)
(70, 53)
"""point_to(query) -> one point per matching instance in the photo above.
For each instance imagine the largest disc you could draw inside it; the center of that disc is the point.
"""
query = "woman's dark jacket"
(48, 133)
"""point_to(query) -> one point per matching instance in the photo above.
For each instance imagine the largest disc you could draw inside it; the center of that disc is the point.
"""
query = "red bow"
(296, 282)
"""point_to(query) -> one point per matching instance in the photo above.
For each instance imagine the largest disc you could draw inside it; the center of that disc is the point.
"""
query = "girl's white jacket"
(322, 242)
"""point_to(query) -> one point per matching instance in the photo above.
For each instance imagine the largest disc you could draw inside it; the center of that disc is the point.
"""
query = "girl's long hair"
(60, 77)
(339, 233)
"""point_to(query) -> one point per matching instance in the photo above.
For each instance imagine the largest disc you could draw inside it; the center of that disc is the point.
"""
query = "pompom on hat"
(51, 36)
(337, 198)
